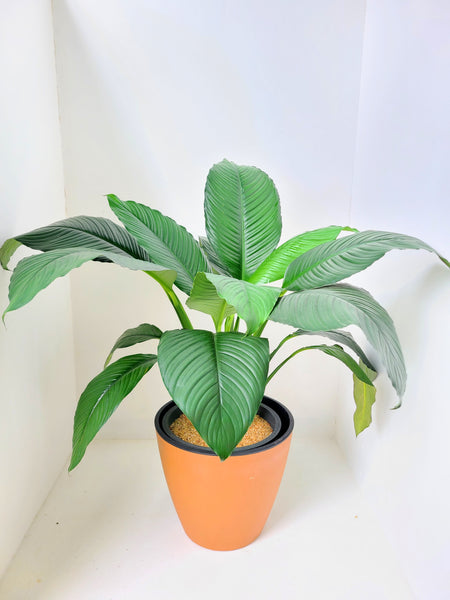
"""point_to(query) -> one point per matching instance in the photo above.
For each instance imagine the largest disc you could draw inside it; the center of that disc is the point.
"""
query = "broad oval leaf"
(166, 242)
(242, 216)
(204, 298)
(217, 380)
(341, 305)
(34, 273)
(135, 335)
(252, 302)
(342, 337)
(364, 396)
(97, 233)
(336, 260)
(102, 396)
(275, 265)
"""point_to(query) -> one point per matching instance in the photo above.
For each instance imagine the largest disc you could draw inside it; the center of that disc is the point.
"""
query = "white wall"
(402, 183)
(152, 94)
(36, 348)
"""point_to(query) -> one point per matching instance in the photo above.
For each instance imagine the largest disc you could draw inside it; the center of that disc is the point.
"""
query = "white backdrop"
(36, 407)
(402, 183)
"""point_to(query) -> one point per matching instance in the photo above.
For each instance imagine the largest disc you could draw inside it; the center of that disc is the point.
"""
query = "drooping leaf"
(342, 337)
(212, 257)
(341, 305)
(166, 242)
(96, 233)
(217, 380)
(345, 358)
(242, 216)
(7, 250)
(337, 352)
(204, 297)
(102, 396)
(133, 336)
(364, 396)
(275, 265)
(252, 302)
(34, 273)
(338, 259)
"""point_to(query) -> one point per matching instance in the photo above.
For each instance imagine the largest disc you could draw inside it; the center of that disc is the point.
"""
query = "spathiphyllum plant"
(217, 378)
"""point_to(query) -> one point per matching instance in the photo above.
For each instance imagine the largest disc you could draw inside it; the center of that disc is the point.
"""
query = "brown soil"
(258, 431)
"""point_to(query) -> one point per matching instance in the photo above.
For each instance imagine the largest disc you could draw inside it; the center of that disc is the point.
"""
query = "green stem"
(260, 329)
(275, 371)
(236, 325)
(229, 323)
(174, 300)
(283, 341)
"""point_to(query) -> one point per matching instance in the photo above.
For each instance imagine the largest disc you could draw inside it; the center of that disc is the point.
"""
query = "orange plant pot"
(224, 505)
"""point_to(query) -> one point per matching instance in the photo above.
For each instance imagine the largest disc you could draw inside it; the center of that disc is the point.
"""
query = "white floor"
(108, 531)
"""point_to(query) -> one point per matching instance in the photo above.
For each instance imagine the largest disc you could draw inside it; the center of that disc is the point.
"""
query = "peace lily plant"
(217, 378)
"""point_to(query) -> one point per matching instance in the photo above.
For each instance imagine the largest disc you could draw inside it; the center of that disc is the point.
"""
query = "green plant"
(217, 378)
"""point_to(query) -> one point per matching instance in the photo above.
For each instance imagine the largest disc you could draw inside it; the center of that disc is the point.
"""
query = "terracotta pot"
(224, 505)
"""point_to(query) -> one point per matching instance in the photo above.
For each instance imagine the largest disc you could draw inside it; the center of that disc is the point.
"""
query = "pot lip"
(287, 424)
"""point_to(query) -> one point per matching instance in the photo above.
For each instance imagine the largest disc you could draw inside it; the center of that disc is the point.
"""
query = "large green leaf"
(102, 396)
(364, 396)
(204, 297)
(77, 232)
(275, 265)
(217, 380)
(341, 305)
(166, 242)
(336, 260)
(342, 337)
(133, 336)
(242, 216)
(252, 302)
(34, 273)
(212, 257)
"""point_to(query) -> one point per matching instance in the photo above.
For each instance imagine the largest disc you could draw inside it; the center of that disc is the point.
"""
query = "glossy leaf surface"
(96, 233)
(336, 260)
(102, 396)
(253, 303)
(167, 243)
(204, 297)
(341, 305)
(364, 396)
(133, 336)
(242, 216)
(217, 380)
(275, 265)
(34, 273)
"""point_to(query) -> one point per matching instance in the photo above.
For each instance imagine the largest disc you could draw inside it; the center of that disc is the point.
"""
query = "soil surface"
(258, 431)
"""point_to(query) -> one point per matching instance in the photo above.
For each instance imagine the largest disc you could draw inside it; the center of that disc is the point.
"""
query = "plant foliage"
(218, 378)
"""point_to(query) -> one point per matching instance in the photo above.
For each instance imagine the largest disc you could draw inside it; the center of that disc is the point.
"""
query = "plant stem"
(260, 329)
(174, 300)
(275, 371)
(283, 341)
(236, 325)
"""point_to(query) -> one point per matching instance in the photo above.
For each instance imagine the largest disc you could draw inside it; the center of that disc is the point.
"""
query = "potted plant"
(217, 378)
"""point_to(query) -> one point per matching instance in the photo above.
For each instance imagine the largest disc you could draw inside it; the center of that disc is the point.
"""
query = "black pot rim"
(284, 431)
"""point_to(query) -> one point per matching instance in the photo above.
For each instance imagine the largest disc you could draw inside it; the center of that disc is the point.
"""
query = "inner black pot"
(277, 415)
